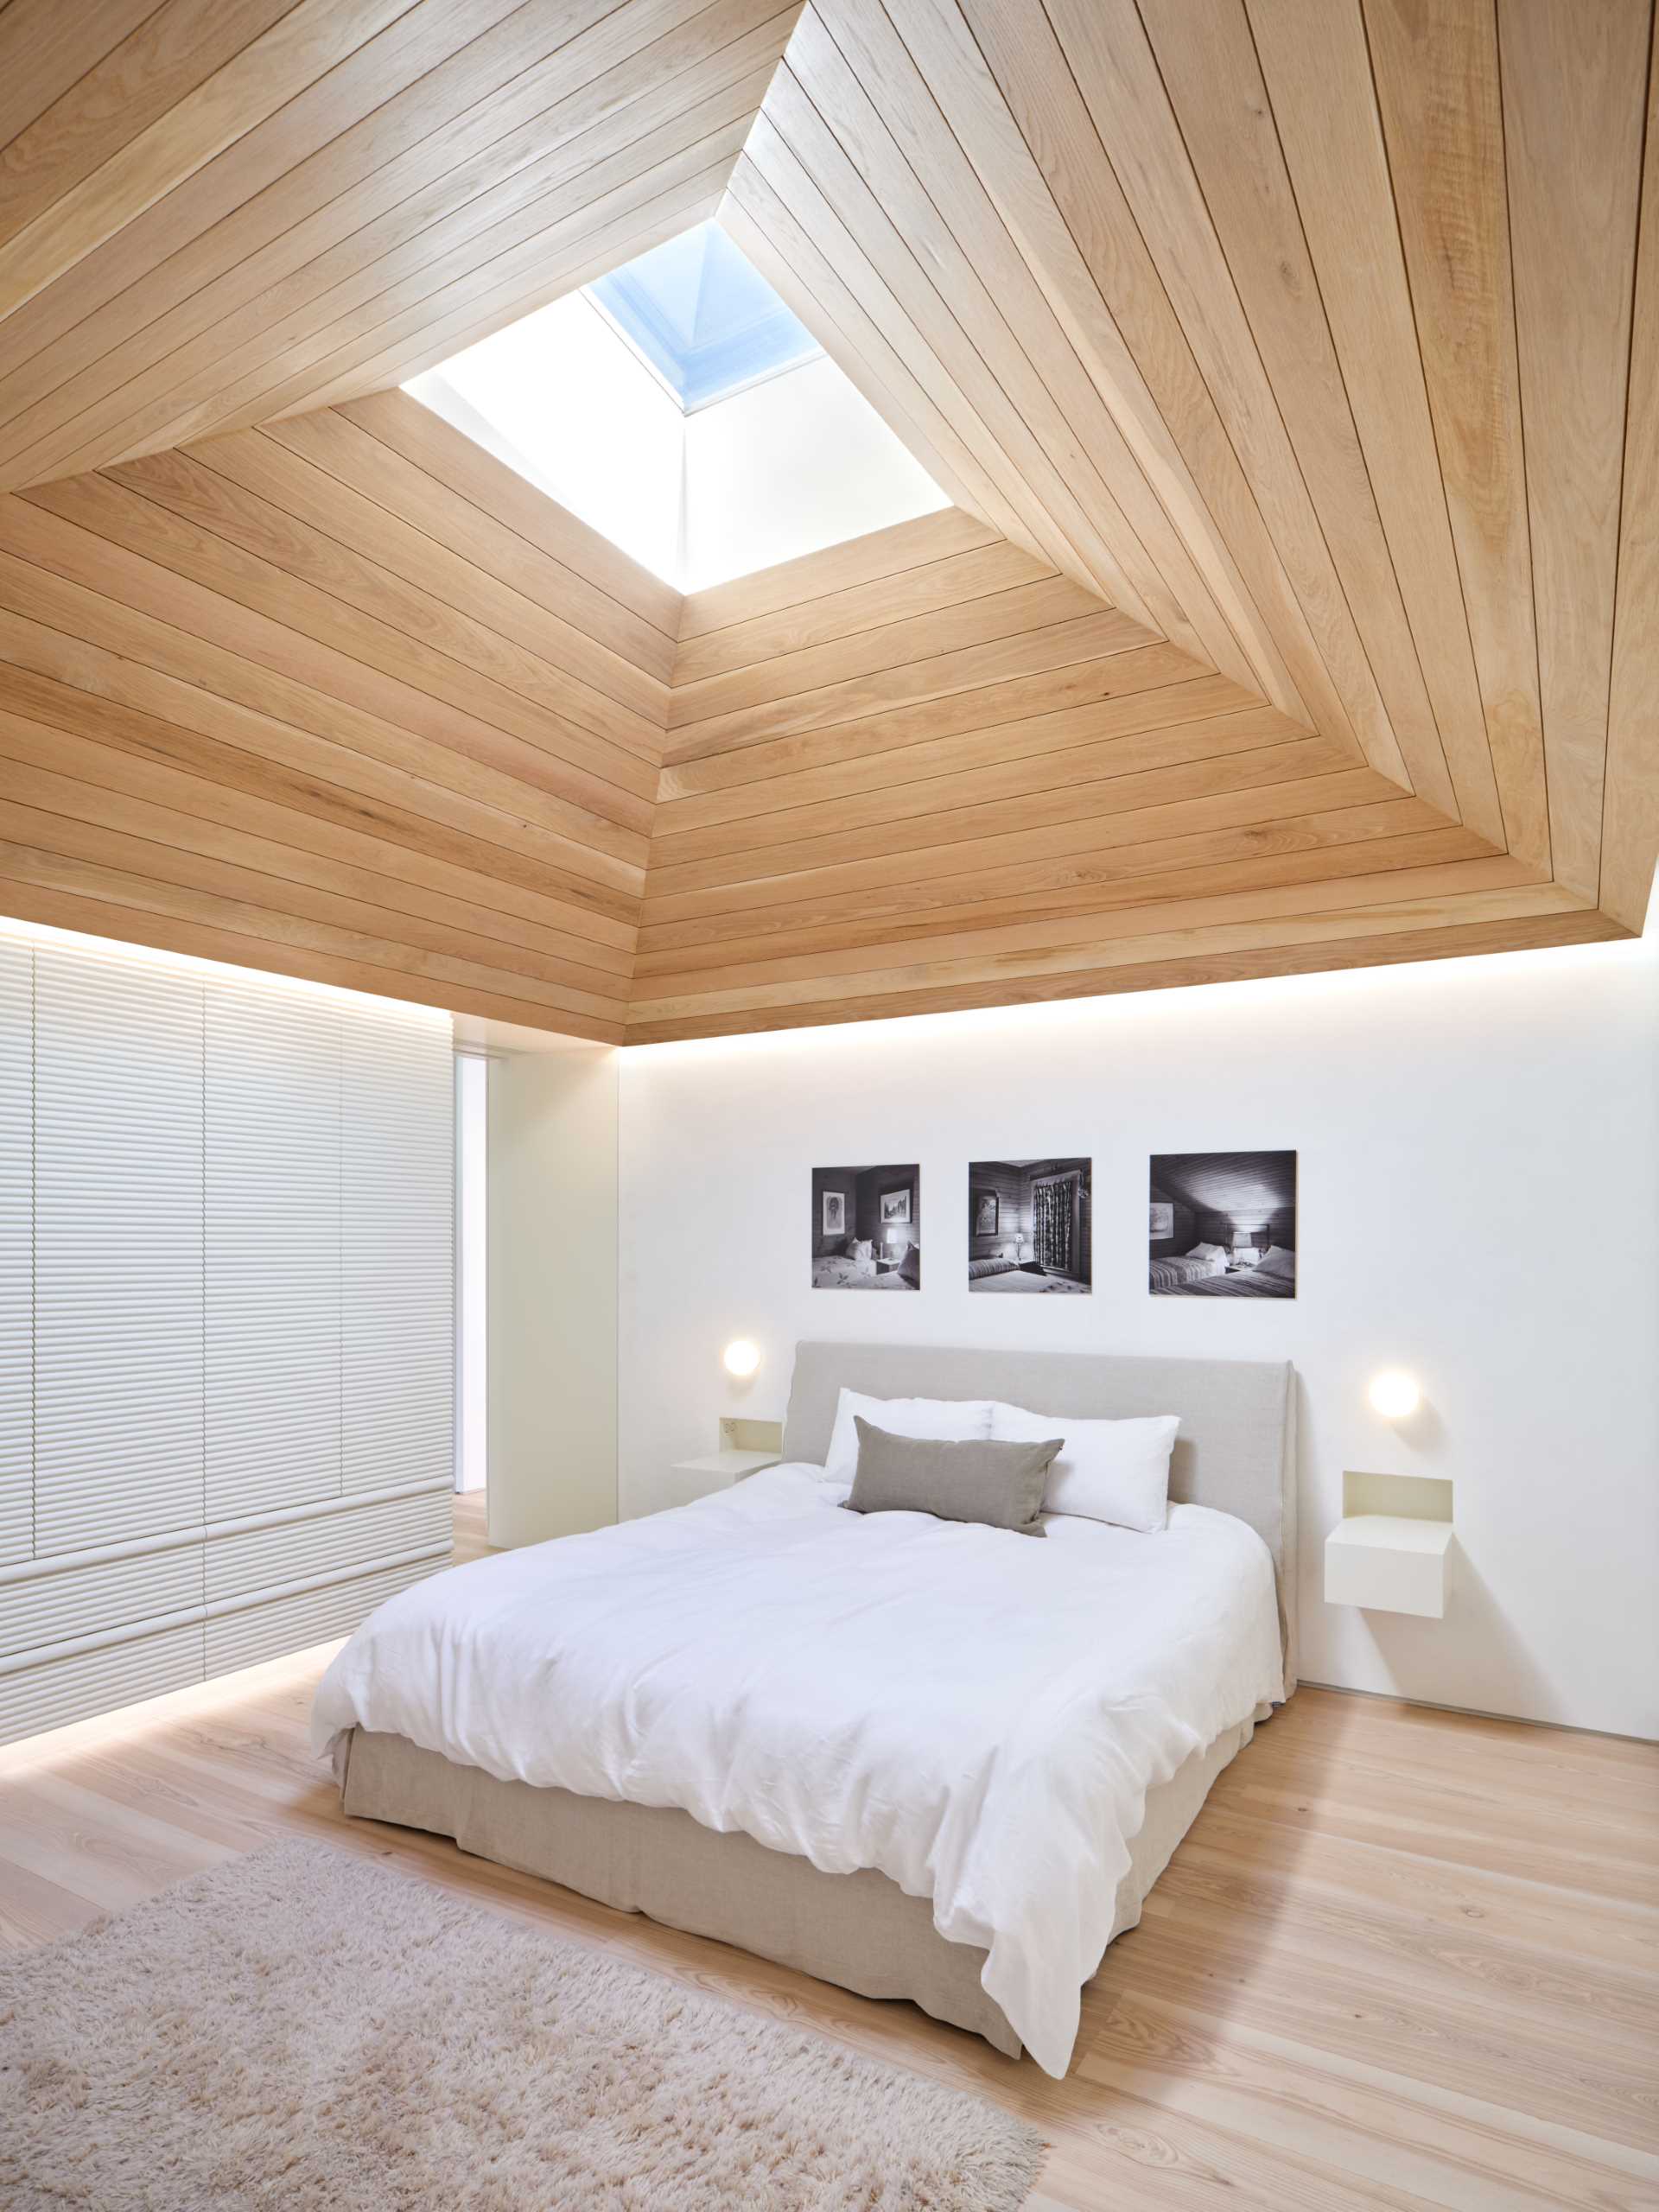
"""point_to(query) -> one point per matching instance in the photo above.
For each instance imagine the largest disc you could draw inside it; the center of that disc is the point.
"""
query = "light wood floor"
(1404, 1958)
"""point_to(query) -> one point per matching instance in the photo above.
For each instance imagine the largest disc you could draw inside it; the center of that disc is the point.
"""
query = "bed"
(860, 1269)
(693, 1716)
(1019, 1278)
(1274, 1276)
(1181, 1269)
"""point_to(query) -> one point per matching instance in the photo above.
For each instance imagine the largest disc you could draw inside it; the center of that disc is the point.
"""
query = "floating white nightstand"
(716, 1470)
(746, 1446)
(1392, 1550)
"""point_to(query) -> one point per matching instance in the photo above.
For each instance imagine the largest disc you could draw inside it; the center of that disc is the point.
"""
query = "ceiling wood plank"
(326, 473)
(1318, 78)
(1032, 780)
(1023, 181)
(1045, 822)
(231, 492)
(528, 279)
(914, 750)
(950, 229)
(295, 45)
(502, 516)
(1106, 46)
(949, 956)
(1029, 652)
(1116, 692)
(1436, 70)
(115, 98)
(286, 191)
(1630, 797)
(363, 146)
(363, 334)
(982, 574)
(1574, 100)
(46, 47)
(1264, 806)
(1235, 954)
(775, 156)
(70, 852)
(123, 546)
(107, 911)
(1220, 104)
(69, 774)
(1314, 850)
(835, 569)
(139, 394)
(1018, 609)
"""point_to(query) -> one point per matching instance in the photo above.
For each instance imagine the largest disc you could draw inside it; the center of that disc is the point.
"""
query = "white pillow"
(1206, 1252)
(1106, 1470)
(956, 1420)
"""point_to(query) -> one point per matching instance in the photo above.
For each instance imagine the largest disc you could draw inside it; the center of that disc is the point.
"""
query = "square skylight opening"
(678, 407)
(701, 318)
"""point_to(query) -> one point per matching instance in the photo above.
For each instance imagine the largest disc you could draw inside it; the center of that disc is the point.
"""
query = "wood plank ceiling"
(1294, 364)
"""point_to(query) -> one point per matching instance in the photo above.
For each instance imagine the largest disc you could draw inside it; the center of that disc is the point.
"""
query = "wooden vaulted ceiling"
(1294, 364)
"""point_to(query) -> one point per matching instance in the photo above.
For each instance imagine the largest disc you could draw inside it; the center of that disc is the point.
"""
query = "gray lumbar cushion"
(1000, 1484)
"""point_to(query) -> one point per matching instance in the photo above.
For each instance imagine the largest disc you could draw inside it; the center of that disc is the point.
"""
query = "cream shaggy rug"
(307, 2029)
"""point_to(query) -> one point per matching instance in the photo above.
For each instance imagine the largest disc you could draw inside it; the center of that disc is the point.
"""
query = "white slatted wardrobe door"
(117, 1250)
(273, 1164)
(398, 1257)
(16, 1253)
(326, 1571)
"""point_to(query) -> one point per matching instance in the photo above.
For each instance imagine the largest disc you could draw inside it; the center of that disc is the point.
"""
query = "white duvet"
(977, 1713)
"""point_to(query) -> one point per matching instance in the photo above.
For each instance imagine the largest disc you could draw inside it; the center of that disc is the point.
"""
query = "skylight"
(703, 317)
(678, 407)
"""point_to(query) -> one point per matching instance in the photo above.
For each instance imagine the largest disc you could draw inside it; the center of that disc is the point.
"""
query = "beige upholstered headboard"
(1236, 1449)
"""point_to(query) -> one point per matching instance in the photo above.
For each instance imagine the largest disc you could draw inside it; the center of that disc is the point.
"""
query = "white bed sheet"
(976, 1714)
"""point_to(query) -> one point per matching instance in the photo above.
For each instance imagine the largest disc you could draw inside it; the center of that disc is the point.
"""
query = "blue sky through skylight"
(703, 317)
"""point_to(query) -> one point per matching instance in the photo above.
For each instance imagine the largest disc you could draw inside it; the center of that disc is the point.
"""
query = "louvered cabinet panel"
(327, 1543)
(58, 1691)
(264, 1631)
(67, 1604)
(272, 1246)
(396, 1260)
(117, 1250)
(16, 1253)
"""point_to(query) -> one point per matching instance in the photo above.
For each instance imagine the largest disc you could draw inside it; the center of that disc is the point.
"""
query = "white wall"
(552, 1293)
(561, 399)
(1478, 1143)
(798, 462)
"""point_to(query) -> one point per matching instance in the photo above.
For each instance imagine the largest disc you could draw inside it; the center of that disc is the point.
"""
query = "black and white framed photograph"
(866, 1228)
(1221, 1225)
(1029, 1227)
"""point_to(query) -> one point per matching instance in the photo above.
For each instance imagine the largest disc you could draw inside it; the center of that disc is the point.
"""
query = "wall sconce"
(740, 1357)
(1394, 1394)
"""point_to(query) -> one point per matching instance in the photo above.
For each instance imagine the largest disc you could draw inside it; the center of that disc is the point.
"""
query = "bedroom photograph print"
(1029, 1228)
(1221, 1225)
(866, 1228)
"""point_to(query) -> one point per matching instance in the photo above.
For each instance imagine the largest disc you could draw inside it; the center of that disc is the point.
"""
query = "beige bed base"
(860, 1930)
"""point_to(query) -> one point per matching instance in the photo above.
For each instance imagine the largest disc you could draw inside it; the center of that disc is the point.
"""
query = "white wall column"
(552, 1293)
